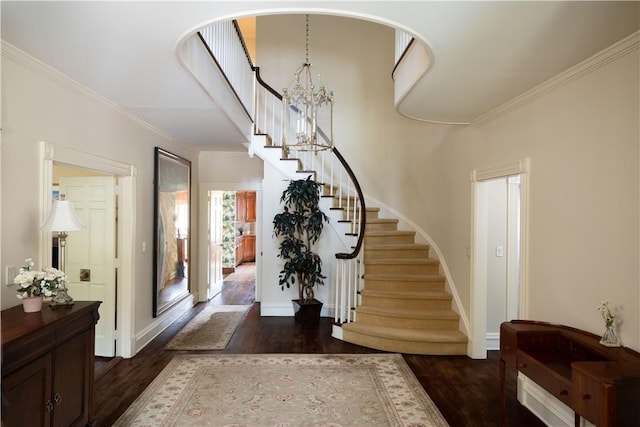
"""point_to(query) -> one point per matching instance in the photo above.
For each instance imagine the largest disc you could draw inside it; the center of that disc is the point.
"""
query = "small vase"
(32, 304)
(609, 338)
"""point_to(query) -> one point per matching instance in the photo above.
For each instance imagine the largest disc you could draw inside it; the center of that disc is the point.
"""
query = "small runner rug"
(211, 329)
(260, 390)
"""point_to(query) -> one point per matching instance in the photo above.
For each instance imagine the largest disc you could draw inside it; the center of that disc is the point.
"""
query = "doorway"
(126, 175)
(91, 256)
(232, 249)
(498, 263)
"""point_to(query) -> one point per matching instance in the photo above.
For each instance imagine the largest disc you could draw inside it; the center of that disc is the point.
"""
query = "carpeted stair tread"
(389, 233)
(406, 277)
(403, 334)
(386, 246)
(413, 295)
(406, 261)
(408, 313)
(382, 221)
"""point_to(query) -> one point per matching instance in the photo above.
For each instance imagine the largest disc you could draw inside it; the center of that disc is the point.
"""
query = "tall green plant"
(300, 225)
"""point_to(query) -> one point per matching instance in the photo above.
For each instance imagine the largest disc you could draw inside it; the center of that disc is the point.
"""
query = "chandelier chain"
(307, 40)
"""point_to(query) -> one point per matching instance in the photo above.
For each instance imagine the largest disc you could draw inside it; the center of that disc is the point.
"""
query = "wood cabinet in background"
(239, 250)
(245, 206)
(241, 206)
(249, 248)
(250, 198)
(48, 365)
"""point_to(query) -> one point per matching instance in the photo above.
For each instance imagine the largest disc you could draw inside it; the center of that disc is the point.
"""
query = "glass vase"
(609, 338)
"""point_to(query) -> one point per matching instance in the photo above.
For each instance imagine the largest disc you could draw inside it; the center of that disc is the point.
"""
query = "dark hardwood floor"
(465, 390)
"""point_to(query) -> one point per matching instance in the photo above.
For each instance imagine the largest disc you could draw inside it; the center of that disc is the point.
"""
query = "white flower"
(36, 283)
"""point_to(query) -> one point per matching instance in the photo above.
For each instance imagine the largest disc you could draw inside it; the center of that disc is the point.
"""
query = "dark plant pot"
(307, 314)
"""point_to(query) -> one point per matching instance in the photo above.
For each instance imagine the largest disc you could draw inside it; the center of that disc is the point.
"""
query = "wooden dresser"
(48, 365)
(600, 384)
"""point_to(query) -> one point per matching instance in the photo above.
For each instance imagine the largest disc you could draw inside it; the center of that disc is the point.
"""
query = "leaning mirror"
(172, 184)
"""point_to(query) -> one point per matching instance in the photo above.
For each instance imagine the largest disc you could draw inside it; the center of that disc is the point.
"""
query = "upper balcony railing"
(224, 42)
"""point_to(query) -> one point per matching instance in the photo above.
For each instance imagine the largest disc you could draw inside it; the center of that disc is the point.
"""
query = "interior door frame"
(205, 188)
(478, 286)
(126, 173)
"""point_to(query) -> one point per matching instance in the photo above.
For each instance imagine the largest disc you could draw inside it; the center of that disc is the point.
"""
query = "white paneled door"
(91, 253)
(215, 243)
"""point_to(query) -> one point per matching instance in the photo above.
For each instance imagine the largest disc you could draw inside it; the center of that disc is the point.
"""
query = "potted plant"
(34, 286)
(300, 225)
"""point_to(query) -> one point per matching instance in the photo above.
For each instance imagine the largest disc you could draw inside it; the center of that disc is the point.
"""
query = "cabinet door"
(72, 381)
(240, 251)
(250, 248)
(26, 394)
(241, 206)
(251, 206)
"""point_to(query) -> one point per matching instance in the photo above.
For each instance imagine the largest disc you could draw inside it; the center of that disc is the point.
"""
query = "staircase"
(404, 305)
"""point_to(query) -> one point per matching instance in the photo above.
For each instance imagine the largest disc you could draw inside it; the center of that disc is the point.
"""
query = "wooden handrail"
(266, 85)
(233, 89)
(363, 209)
(345, 165)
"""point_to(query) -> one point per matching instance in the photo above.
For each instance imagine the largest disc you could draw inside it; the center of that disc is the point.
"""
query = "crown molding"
(623, 47)
(14, 54)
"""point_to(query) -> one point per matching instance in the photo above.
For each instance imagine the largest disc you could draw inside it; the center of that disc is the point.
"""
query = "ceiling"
(483, 53)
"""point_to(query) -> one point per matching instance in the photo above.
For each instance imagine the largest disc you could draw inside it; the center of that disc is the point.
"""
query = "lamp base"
(61, 298)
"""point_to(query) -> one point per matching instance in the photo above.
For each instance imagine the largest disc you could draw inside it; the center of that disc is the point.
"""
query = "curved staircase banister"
(362, 222)
(265, 84)
(363, 209)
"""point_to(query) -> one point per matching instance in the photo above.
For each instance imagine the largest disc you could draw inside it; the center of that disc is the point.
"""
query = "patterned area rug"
(211, 329)
(233, 390)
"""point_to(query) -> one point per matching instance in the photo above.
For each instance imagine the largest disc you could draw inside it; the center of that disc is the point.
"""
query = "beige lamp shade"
(62, 218)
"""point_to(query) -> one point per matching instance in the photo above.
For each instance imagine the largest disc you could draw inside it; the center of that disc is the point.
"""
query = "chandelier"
(307, 109)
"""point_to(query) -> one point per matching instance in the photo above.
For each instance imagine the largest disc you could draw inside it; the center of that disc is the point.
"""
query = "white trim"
(161, 323)
(600, 59)
(492, 340)
(204, 189)
(478, 293)
(50, 153)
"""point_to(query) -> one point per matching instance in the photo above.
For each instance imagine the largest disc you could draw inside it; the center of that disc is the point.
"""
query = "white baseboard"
(493, 340)
(162, 322)
(287, 310)
(544, 405)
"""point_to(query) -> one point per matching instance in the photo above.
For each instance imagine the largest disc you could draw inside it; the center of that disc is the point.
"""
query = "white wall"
(237, 169)
(38, 104)
(582, 138)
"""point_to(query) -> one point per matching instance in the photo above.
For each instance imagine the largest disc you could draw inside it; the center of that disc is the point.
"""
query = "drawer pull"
(49, 406)
(57, 398)
(563, 393)
(585, 396)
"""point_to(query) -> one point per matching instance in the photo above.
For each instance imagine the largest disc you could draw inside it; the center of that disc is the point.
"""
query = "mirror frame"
(172, 178)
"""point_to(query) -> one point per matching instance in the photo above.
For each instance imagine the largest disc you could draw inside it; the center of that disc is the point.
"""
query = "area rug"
(211, 329)
(259, 390)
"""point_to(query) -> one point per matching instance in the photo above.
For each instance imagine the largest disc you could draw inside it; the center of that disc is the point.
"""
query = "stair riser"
(401, 268)
(382, 226)
(389, 239)
(421, 253)
(407, 347)
(407, 286)
(408, 323)
(372, 214)
(410, 304)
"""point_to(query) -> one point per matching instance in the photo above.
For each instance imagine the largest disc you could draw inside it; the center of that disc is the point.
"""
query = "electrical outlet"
(12, 272)
(499, 251)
